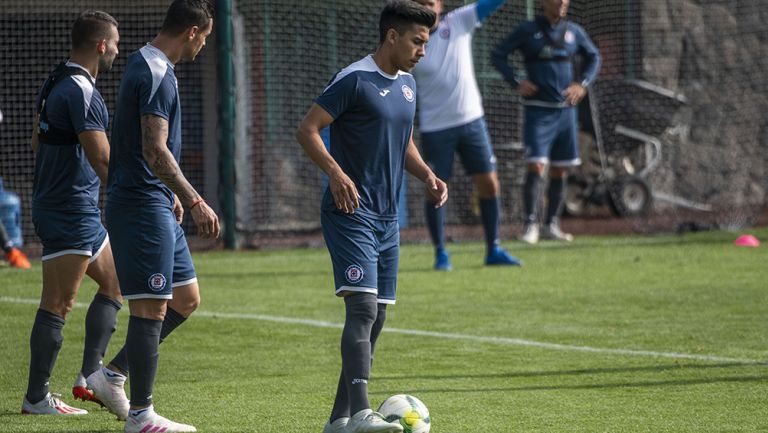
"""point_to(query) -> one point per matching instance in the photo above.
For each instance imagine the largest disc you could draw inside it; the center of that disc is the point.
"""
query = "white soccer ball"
(409, 411)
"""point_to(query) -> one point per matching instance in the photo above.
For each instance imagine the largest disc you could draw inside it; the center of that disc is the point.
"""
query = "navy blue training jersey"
(64, 179)
(148, 87)
(548, 52)
(373, 120)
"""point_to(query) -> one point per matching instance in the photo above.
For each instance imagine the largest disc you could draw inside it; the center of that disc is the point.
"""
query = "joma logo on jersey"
(384, 92)
(354, 274)
(157, 282)
(408, 93)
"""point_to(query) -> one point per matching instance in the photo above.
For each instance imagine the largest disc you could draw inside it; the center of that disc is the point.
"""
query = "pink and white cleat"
(107, 388)
(50, 405)
(147, 421)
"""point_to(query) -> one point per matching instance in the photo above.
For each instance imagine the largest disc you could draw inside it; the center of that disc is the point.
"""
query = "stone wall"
(716, 54)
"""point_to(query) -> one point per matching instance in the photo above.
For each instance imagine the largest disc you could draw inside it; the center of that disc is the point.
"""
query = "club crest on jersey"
(408, 93)
(445, 33)
(354, 274)
(157, 282)
(569, 37)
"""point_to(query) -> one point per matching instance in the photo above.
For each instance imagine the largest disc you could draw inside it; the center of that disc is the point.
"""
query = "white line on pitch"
(445, 335)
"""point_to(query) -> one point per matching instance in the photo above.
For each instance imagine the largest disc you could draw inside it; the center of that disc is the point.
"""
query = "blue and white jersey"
(448, 92)
(373, 120)
(548, 52)
(148, 87)
(64, 179)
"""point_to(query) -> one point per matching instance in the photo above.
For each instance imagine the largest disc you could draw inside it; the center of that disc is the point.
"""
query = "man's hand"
(437, 191)
(344, 192)
(206, 220)
(178, 209)
(574, 93)
(527, 89)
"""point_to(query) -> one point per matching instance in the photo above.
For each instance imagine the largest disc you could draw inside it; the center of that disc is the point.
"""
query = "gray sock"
(100, 323)
(356, 348)
(531, 193)
(141, 345)
(556, 199)
(173, 319)
(341, 404)
(44, 344)
(378, 325)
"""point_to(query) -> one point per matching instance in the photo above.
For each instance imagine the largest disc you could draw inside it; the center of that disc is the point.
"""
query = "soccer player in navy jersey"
(370, 106)
(550, 94)
(147, 194)
(71, 157)
(451, 121)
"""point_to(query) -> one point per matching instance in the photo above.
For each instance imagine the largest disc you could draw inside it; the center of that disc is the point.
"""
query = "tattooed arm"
(154, 148)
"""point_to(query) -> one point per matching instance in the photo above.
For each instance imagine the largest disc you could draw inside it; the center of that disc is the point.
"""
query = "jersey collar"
(159, 53)
(72, 64)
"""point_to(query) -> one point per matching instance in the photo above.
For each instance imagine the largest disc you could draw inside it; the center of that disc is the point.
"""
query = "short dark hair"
(91, 27)
(400, 14)
(183, 14)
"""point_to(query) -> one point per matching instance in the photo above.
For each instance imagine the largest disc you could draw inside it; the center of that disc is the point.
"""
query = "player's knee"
(558, 172)
(186, 305)
(491, 189)
(111, 289)
(537, 167)
(193, 304)
(64, 307)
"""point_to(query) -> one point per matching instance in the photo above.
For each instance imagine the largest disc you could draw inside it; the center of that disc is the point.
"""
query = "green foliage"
(236, 367)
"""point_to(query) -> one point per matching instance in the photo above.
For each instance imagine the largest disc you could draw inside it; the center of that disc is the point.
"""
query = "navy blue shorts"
(550, 136)
(365, 253)
(70, 232)
(150, 250)
(471, 141)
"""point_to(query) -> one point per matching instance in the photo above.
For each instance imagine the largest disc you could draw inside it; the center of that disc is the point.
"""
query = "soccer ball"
(408, 410)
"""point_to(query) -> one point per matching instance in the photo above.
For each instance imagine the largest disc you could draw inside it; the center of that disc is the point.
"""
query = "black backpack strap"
(47, 133)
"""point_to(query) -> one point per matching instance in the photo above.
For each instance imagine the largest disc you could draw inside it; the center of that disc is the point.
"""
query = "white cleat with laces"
(149, 421)
(338, 426)
(368, 421)
(530, 234)
(108, 388)
(50, 405)
(552, 232)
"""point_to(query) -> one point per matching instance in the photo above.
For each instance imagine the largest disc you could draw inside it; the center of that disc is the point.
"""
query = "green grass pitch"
(608, 334)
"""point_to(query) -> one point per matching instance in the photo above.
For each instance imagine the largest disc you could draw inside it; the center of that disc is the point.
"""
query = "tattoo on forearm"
(154, 133)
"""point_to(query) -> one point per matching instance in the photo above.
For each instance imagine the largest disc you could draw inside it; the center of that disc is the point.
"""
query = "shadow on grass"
(587, 386)
(586, 371)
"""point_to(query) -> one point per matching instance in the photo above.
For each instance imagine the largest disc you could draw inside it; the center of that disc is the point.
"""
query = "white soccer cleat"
(368, 421)
(149, 421)
(552, 232)
(530, 234)
(108, 389)
(338, 426)
(50, 405)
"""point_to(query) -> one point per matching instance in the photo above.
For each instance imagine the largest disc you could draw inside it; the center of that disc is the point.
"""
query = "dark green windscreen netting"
(673, 133)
